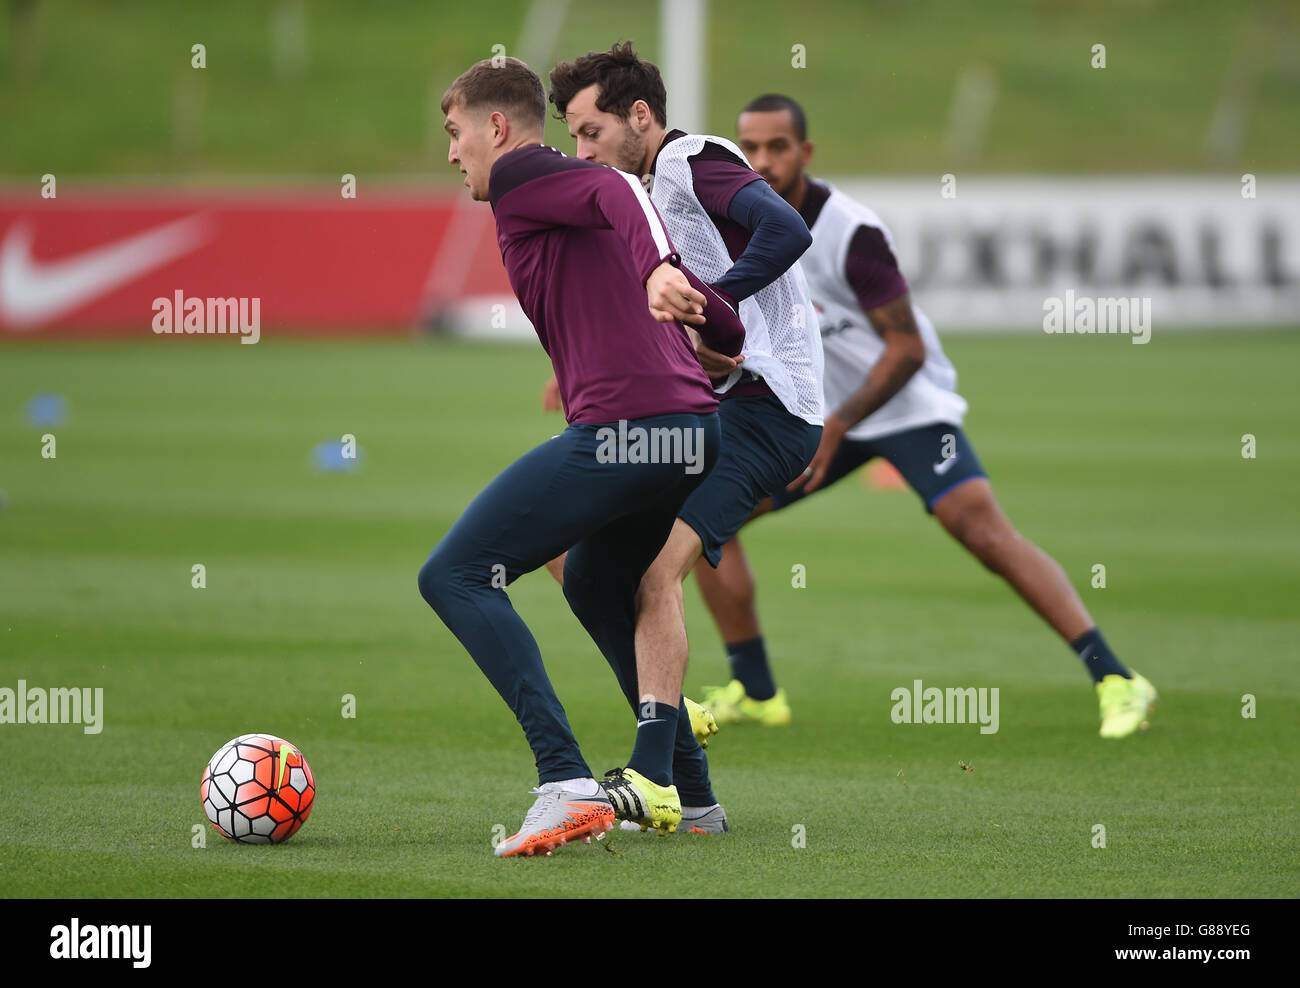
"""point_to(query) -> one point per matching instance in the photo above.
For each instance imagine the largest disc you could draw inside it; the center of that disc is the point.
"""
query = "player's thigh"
(619, 554)
(971, 514)
(851, 454)
(544, 502)
(624, 547)
(763, 448)
(934, 460)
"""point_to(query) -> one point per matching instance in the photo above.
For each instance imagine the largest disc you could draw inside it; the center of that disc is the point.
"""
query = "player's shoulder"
(850, 209)
(523, 165)
(705, 147)
(720, 149)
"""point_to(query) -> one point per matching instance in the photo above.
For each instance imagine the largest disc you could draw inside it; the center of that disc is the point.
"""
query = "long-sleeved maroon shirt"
(579, 241)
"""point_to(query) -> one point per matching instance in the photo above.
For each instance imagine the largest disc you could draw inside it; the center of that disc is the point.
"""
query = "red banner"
(112, 264)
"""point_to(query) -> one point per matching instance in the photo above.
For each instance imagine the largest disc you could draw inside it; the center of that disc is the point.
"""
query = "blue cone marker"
(46, 409)
(329, 458)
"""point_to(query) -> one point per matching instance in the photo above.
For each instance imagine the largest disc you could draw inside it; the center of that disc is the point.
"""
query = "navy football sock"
(749, 664)
(690, 765)
(1097, 657)
(652, 755)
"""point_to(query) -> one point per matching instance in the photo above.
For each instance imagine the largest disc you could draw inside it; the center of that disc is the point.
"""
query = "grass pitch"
(1106, 453)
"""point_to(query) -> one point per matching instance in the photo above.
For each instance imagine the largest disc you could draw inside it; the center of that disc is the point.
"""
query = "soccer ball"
(257, 789)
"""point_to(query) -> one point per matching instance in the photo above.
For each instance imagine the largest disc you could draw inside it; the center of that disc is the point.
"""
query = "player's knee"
(985, 535)
(664, 577)
(585, 595)
(437, 581)
(556, 568)
(657, 589)
(731, 597)
(577, 591)
(742, 592)
(432, 587)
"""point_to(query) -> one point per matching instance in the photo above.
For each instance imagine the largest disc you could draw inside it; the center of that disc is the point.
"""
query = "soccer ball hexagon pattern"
(257, 789)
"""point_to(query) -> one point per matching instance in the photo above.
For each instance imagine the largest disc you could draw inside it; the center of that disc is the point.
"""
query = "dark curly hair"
(623, 79)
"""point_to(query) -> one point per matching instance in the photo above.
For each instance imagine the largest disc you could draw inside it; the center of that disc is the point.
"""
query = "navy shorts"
(579, 487)
(764, 447)
(921, 455)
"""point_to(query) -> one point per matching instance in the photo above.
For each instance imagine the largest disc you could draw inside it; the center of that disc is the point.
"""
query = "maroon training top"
(579, 241)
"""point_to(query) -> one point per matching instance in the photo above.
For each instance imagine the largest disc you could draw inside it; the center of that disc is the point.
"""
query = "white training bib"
(852, 347)
(782, 342)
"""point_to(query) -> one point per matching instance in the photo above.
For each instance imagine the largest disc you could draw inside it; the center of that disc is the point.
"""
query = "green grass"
(197, 452)
(96, 90)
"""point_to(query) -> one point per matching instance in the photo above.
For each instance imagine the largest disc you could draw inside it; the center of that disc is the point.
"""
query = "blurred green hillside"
(106, 89)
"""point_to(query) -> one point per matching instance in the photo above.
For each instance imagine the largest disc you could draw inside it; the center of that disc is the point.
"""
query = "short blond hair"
(500, 83)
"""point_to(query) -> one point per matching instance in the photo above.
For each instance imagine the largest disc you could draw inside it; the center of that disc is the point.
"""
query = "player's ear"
(641, 115)
(806, 152)
(500, 127)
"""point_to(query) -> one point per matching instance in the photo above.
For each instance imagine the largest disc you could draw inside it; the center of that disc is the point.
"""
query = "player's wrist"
(727, 296)
(836, 423)
(673, 260)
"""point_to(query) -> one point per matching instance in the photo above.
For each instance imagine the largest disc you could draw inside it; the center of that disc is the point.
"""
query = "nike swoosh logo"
(945, 466)
(286, 750)
(644, 722)
(34, 292)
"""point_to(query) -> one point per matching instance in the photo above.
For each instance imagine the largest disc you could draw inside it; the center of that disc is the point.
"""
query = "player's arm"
(605, 198)
(726, 186)
(552, 400)
(778, 238)
(903, 356)
(718, 339)
(619, 201)
(872, 272)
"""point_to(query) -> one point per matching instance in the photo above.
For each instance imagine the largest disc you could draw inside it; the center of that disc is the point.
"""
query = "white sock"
(691, 812)
(583, 787)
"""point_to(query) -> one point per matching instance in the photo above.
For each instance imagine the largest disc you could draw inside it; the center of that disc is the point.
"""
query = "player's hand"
(670, 296)
(551, 401)
(715, 364)
(832, 435)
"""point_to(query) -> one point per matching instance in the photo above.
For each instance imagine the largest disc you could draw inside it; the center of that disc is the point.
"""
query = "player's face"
(470, 148)
(603, 137)
(773, 148)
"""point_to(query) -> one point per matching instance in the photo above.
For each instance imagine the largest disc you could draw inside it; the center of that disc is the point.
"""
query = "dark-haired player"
(596, 272)
(890, 392)
(739, 236)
